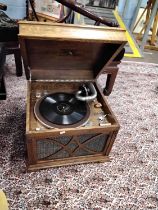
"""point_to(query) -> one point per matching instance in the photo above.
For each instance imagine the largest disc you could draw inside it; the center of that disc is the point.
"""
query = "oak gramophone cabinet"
(68, 119)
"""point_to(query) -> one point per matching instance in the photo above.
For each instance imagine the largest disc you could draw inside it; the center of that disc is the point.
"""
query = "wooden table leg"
(111, 76)
(111, 72)
(18, 62)
(13, 48)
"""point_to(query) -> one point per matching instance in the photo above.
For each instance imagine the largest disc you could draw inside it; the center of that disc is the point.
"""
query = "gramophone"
(68, 118)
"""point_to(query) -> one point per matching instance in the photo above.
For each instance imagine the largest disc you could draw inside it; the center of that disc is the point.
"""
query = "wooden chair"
(9, 41)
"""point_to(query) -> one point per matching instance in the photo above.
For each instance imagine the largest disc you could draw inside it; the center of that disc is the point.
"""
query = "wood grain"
(71, 32)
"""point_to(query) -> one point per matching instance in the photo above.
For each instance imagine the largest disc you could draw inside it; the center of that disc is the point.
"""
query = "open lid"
(68, 52)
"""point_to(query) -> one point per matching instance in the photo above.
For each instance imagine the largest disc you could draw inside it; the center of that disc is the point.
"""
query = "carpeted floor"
(130, 181)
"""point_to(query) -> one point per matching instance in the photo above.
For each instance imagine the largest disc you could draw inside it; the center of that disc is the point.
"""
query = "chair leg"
(111, 76)
(3, 93)
(18, 62)
(2, 82)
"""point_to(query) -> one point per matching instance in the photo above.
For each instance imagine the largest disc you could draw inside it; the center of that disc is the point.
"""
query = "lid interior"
(67, 60)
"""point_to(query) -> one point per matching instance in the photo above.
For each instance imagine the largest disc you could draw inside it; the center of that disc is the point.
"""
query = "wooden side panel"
(68, 161)
(25, 55)
(28, 106)
(31, 150)
(69, 150)
(66, 150)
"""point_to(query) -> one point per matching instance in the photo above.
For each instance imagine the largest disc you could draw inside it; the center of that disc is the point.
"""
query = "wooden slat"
(71, 32)
(68, 161)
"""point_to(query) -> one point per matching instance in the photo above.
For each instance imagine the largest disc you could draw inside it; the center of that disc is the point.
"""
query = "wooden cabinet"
(59, 58)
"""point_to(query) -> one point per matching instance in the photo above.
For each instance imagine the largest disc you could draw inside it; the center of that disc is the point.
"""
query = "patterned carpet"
(129, 181)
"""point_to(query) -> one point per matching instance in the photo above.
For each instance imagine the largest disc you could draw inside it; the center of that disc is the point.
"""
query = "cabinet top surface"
(41, 30)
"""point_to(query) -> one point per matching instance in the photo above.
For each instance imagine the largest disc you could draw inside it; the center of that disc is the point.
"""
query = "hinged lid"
(68, 52)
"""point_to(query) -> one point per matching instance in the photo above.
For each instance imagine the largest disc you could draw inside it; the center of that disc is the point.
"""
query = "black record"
(61, 110)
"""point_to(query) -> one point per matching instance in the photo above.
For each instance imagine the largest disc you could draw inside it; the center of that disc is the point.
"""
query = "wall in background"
(127, 8)
(144, 3)
(15, 8)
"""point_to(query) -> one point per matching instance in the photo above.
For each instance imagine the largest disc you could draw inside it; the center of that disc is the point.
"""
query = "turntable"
(68, 119)
(61, 110)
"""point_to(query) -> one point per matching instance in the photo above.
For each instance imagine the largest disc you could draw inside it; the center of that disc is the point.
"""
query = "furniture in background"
(2, 84)
(9, 41)
(74, 7)
(144, 38)
(111, 4)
